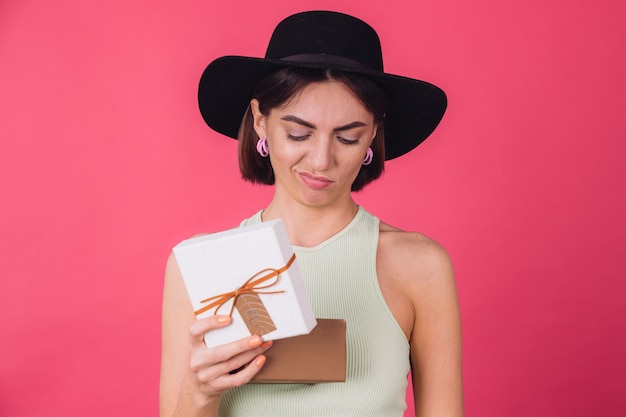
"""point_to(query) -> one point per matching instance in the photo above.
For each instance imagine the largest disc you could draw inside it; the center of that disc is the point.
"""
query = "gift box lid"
(219, 264)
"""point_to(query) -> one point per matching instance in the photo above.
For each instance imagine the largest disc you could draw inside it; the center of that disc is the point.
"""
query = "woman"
(319, 119)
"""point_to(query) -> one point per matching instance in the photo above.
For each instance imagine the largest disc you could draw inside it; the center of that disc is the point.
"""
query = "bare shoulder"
(412, 256)
(416, 277)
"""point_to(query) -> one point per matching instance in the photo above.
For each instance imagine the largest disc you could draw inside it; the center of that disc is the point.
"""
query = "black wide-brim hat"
(322, 40)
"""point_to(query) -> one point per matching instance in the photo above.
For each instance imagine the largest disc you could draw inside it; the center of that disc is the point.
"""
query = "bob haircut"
(278, 88)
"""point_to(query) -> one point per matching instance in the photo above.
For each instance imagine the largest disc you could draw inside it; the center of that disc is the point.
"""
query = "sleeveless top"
(340, 277)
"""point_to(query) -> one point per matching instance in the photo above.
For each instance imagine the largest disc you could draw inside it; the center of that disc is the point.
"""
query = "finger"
(236, 362)
(224, 358)
(209, 363)
(244, 376)
(264, 346)
(248, 356)
(200, 327)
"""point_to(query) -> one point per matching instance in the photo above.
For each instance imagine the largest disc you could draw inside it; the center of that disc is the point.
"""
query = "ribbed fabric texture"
(340, 276)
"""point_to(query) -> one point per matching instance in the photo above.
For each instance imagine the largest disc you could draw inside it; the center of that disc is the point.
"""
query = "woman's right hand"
(194, 377)
(215, 370)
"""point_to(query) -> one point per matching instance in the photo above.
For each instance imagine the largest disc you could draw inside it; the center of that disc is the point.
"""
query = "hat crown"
(326, 33)
(320, 40)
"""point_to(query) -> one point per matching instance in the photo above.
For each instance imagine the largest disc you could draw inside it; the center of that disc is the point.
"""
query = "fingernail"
(267, 344)
(260, 361)
(255, 342)
(223, 319)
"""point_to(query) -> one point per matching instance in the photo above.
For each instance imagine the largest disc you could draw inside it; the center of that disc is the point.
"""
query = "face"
(317, 142)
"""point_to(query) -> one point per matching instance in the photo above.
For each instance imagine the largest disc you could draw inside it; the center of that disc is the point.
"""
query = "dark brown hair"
(277, 88)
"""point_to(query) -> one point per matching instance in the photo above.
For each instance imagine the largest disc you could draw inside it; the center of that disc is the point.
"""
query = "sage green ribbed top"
(340, 276)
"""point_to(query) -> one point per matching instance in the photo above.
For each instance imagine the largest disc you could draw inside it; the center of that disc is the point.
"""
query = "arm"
(194, 378)
(436, 335)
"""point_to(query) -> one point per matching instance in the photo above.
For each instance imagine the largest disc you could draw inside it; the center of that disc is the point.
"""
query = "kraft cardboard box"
(317, 357)
(249, 272)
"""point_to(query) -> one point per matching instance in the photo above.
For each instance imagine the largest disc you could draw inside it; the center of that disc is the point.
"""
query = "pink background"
(105, 164)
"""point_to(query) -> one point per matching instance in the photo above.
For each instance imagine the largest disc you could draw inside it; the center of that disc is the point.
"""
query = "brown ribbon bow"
(252, 285)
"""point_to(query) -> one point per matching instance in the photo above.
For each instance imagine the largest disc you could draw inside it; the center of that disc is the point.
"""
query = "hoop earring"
(261, 147)
(369, 156)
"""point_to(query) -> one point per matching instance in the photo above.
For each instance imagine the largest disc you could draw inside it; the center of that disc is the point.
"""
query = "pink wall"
(105, 164)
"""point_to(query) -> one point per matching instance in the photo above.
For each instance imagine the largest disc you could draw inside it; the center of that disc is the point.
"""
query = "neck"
(309, 226)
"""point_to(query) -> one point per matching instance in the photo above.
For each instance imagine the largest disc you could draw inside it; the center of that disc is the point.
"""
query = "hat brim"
(227, 85)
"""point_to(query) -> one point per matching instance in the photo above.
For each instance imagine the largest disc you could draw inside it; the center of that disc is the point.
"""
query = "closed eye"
(297, 138)
(347, 141)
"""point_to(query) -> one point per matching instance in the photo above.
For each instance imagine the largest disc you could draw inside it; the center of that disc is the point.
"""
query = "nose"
(321, 154)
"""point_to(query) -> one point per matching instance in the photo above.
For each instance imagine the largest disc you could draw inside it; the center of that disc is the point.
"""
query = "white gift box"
(219, 264)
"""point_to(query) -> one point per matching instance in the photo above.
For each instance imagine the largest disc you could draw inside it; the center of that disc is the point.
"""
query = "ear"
(259, 119)
(374, 135)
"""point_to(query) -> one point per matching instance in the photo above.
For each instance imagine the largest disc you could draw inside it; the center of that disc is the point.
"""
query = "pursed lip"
(314, 181)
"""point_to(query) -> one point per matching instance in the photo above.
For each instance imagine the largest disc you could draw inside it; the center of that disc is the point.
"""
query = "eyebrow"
(295, 119)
